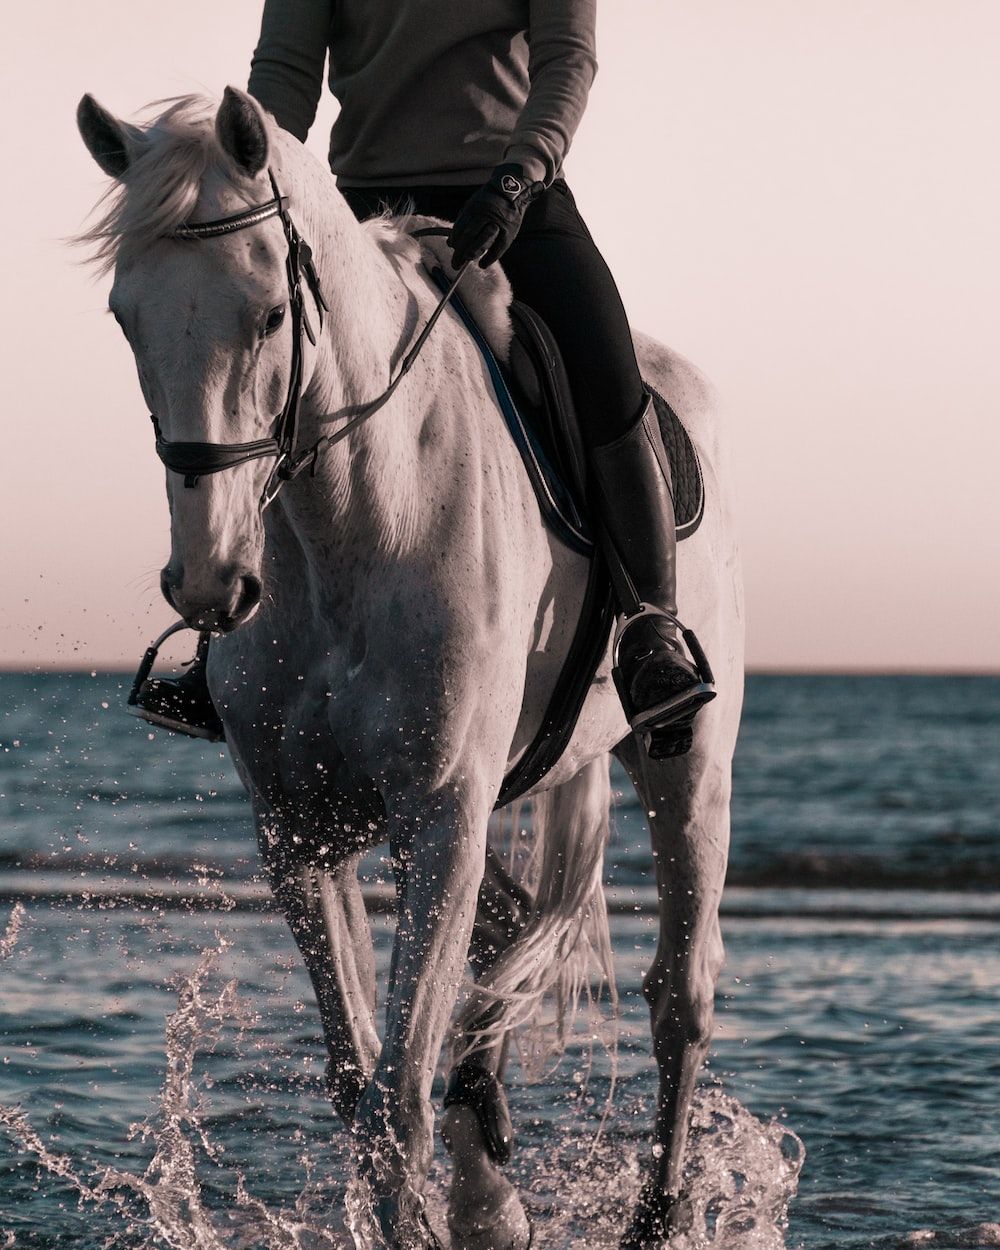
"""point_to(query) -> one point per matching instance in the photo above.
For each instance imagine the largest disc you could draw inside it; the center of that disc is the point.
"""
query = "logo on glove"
(510, 185)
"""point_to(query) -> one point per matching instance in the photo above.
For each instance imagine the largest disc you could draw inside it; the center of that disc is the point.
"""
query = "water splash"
(18, 1126)
(742, 1172)
(164, 1205)
(170, 1186)
(741, 1175)
(13, 931)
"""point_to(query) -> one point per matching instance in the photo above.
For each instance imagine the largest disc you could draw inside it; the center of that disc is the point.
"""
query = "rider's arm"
(286, 74)
(562, 62)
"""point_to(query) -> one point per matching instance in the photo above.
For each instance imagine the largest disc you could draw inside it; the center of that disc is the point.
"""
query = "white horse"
(389, 631)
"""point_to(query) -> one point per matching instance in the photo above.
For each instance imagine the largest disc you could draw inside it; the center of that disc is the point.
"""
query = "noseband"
(195, 460)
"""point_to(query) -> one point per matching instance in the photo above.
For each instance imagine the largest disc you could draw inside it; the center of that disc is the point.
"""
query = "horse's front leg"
(440, 842)
(326, 914)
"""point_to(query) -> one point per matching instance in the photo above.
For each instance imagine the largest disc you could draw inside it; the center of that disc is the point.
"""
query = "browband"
(236, 221)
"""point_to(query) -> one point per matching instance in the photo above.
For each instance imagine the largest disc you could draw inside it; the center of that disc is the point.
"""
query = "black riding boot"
(660, 689)
(180, 704)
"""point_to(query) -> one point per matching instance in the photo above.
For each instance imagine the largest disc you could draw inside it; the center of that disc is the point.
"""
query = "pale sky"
(802, 196)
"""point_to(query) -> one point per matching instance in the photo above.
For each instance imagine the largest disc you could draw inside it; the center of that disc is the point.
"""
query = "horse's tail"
(563, 953)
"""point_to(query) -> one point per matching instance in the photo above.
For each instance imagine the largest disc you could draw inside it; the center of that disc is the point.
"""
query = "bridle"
(196, 460)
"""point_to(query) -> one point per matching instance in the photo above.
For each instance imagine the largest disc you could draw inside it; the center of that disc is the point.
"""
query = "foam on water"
(978, 1237)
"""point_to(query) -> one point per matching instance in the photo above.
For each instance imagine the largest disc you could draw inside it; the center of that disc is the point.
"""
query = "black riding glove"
(492, 216)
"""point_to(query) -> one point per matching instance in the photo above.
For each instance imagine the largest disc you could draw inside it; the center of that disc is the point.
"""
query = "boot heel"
(665, 744)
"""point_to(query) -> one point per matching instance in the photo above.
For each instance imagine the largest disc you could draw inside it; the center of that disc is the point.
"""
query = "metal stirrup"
(689, 637)
(149, 659)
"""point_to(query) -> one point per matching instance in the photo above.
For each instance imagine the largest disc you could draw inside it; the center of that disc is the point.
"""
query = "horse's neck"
(367, 482)
(363, 327)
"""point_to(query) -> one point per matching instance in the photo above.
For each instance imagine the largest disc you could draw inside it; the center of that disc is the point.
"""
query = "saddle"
(533, 391)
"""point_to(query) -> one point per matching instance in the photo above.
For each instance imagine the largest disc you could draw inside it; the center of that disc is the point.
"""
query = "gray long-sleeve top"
(431, 91)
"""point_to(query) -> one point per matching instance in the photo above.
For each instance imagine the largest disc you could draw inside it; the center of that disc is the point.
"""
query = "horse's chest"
(293, 758)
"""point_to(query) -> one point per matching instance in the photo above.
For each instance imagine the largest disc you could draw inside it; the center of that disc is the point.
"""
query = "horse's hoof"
(404, 1226)
(507, 1228)
(431, 1241)
(476, 1087)
(657, 1217)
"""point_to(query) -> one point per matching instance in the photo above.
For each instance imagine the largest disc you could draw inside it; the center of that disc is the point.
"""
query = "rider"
(466, 111)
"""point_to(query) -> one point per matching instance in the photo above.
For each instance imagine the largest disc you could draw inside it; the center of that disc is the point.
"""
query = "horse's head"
(209, 323)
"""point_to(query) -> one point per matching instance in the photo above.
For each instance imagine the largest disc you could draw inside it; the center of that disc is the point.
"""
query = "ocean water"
(160, 1051)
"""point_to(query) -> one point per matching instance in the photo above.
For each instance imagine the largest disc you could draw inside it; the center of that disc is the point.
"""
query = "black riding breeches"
(554, 267)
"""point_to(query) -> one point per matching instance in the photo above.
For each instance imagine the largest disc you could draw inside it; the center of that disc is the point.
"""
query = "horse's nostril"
(210, 600)
(250, 596)
(167, 588)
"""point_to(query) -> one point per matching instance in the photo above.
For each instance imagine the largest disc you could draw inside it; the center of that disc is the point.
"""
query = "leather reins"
(194, 460)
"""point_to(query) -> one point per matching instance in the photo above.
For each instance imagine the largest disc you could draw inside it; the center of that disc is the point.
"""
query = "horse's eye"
(272, 322)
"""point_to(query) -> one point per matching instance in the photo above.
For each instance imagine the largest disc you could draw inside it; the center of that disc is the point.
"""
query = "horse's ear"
(240, 129)
(110, 142)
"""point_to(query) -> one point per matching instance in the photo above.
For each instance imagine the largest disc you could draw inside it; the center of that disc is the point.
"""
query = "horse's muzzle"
(229, 604)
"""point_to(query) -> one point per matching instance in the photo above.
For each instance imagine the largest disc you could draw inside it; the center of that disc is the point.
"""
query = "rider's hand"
(491, 217)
